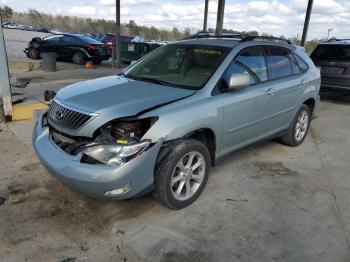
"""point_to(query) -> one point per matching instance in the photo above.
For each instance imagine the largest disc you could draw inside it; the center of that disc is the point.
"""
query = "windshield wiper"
(154, 80)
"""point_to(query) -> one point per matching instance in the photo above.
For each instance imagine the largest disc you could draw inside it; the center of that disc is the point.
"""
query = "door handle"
(303, 81)
(270, 91)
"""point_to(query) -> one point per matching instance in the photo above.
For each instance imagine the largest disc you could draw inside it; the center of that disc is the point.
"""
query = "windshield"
(184, 66)
(332, 52)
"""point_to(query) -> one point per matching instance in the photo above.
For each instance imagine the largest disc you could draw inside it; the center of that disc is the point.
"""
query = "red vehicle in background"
(110, 40)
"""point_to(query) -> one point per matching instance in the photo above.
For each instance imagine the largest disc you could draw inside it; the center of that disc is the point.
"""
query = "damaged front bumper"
(126, 181)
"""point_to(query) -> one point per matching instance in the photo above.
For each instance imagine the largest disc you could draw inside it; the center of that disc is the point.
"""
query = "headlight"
(115, 154)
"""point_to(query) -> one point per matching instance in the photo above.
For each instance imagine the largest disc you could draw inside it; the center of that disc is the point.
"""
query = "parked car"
(333, 57)
(69, 47)
(98, 37)
(162, 123)
(110, 40)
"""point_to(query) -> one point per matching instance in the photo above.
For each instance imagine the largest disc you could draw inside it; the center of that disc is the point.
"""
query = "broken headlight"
(115, 154)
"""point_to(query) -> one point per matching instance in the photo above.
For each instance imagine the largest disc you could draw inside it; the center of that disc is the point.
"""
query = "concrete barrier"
(21, 66)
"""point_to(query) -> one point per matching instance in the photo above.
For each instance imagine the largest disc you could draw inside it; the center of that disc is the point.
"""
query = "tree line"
(81, 25)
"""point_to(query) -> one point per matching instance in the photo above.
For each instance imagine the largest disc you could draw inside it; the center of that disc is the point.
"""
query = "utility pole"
(118, 40)
(307, 22)
(5, 89)
(205, 23)
(220, 17)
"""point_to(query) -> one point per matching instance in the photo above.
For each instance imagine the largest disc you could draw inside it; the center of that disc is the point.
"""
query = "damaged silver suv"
(164, 121)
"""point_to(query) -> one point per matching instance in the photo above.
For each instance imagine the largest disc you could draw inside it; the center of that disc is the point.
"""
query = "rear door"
(245, 110)
(68, 45)
(287, 86)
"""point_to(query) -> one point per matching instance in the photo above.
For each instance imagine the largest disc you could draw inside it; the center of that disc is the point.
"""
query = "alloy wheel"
(301, 126)
(188, 175)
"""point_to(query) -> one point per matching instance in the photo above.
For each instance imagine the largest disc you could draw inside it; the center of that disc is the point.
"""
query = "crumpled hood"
(121, 95)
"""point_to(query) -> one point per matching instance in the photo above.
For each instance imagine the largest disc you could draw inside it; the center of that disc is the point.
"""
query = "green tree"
(34, 17)
(6, 13)
(311, 45)
(187, 32)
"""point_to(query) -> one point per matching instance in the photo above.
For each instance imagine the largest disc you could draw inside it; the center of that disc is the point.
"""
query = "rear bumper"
(335, 83)
(94, 180)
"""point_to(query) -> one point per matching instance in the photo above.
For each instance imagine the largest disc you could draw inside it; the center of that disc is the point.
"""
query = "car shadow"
(335, 97)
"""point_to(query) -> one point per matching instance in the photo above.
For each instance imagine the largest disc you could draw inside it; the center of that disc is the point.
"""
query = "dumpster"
(49, 62)
(133, 51)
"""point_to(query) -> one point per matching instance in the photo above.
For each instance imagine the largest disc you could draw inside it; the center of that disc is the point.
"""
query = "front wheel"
(33, 53)
(182, 174)
(299, 127)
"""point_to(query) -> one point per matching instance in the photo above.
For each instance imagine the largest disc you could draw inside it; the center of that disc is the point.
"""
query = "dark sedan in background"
(69, 47)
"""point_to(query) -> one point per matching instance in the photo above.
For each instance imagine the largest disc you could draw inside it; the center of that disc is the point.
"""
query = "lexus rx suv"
(333, 57)
(161, 124)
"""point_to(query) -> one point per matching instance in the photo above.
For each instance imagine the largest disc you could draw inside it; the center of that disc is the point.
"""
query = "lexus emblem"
(59, 115)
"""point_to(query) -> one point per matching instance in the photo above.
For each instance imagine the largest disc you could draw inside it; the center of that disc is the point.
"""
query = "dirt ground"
(268, 202)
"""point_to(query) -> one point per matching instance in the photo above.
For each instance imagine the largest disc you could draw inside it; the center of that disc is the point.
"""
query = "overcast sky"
(271, 16)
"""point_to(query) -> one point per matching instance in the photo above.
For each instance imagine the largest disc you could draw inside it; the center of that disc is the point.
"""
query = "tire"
(33, 53)
(291, 137)
(78, 58)
(168, 171)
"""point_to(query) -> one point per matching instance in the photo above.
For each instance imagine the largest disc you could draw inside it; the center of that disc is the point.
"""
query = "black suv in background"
(69, 47)
(333, 57)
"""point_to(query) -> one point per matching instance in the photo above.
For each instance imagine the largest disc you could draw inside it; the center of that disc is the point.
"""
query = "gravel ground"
(267, 202)
(17, 40)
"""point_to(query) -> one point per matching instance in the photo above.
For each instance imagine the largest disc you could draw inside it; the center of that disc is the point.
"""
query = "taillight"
(91, 46)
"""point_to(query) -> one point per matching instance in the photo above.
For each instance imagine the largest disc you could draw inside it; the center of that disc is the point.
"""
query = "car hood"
(113, 93)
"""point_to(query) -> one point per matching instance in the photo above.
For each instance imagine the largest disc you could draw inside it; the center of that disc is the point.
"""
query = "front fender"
(179, 122)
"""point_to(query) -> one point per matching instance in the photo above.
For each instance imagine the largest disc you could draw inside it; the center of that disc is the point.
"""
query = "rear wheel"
(299, 127)
(33, 53)
(78, 58)
(182, 174)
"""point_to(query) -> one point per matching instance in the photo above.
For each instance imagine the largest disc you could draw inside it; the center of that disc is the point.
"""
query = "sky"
(277, 17)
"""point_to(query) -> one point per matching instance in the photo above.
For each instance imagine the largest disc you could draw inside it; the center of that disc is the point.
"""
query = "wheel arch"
(203, 135)
(311, 102)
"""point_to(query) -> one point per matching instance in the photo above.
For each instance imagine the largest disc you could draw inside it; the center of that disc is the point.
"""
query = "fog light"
(118, 191)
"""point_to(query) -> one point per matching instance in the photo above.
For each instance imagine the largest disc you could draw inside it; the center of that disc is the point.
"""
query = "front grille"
(66, 118)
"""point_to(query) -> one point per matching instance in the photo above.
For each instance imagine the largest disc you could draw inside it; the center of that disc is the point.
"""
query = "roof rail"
(335, 40)
(241, 37)
(212, 35)
(267, 38)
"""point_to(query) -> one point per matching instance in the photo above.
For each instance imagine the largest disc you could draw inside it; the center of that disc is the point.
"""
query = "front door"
(245, 110)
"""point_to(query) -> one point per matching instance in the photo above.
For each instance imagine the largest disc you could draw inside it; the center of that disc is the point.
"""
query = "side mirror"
(238, 81)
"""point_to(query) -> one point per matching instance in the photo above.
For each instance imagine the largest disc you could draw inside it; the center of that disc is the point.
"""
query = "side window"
(69, 39)
(234, 68)
(255, 60)
(303, 66)
(281, 64)
(54, 39)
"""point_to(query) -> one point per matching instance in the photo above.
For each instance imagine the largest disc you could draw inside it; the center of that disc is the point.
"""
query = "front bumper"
(94, 180)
